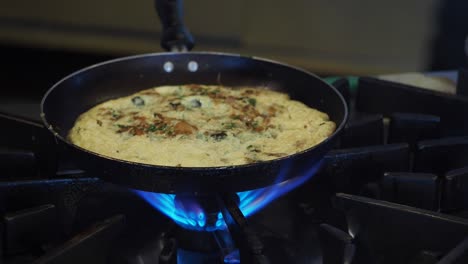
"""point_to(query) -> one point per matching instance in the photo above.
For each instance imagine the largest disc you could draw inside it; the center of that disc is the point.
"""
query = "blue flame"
(254, 200)
(165, 203)
(192, 216)
(232, 258)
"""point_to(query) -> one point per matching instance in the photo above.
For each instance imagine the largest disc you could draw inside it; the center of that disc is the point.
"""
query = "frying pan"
(81, 90)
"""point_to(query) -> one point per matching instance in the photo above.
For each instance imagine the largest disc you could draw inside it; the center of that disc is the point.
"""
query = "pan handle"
(175, 37)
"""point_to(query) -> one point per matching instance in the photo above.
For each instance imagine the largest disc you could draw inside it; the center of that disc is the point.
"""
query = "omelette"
(200, 126)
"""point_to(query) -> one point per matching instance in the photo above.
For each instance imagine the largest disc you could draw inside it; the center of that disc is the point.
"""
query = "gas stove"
(392, 191)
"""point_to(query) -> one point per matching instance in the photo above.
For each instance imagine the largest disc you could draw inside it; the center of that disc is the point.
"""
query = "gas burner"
(193, 212)
(202, 212)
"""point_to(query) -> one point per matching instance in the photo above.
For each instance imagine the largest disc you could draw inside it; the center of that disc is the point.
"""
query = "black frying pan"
(80, 91)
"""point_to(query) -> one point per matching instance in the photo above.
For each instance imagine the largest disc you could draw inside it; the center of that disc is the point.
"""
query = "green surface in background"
(352, 81)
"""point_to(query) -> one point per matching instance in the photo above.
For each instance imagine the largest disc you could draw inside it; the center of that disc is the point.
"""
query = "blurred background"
(42, 41)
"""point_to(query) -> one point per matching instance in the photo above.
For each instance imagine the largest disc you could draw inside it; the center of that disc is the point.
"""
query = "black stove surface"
(393, 191)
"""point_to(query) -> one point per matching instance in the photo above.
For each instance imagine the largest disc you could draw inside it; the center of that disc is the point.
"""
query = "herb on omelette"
(252, 101)
(138, 101)
(230, 125)
(151, 128)
(116, 115)
(219, 136)
(253, 148)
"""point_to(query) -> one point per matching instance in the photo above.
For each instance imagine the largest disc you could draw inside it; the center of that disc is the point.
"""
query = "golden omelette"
(200, 126)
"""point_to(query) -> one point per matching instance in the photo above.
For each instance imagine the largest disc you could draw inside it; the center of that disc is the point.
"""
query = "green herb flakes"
(252, 101)
(229, 125)
(152, 128)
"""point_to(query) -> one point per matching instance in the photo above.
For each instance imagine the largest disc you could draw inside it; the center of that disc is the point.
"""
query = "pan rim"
(194, 169)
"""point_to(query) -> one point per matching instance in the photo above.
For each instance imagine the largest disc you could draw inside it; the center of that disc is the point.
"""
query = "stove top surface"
(393, 191)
